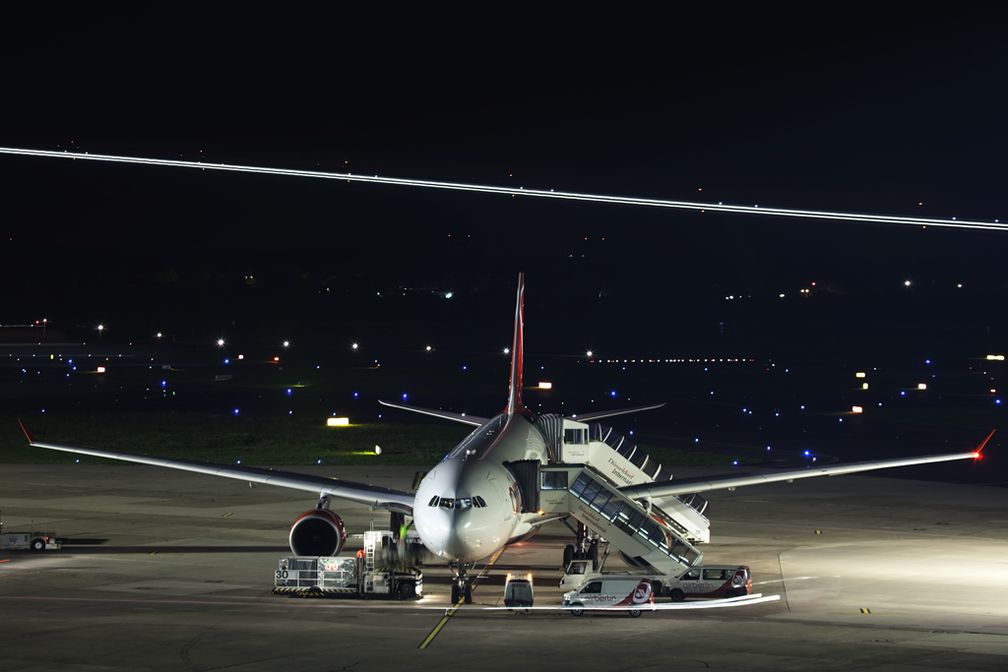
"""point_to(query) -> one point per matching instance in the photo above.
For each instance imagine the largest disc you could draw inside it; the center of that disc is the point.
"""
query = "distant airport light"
(907, 283)
(101, 327)
(276, 359)
(995, 358)
(588, 354)
(860, 374)
(428, 348)
(286, 344)
(337, 422)
(921, 386)
(993, 390)
(354, 346)
(449, 295)
(157, 335)
(377, 449)
(236, 411)
(100, 369)
(864, 386)
(507, 351)
(220, 342)
(545, 385)
(856, 410)
(241, 357)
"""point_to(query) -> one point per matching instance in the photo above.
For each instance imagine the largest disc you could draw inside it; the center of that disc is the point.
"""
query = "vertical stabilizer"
(514, 404)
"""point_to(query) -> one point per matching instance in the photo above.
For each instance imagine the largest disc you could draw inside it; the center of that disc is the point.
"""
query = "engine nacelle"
(317, 532)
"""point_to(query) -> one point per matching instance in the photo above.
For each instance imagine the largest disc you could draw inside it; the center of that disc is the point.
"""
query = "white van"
(605, 592)
(710, 581)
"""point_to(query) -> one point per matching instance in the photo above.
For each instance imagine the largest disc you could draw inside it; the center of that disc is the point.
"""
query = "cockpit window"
(460, 503)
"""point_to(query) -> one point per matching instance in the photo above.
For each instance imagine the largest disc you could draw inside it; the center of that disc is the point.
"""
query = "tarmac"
(173, 571)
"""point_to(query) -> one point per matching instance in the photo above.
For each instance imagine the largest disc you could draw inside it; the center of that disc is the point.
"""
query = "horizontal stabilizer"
(598, 415)
(464, 418)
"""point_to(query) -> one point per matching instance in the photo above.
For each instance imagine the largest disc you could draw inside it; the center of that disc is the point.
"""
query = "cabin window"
(593, 587)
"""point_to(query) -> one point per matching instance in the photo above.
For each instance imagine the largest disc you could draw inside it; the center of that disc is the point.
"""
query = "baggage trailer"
(351, 576)
(29, 541)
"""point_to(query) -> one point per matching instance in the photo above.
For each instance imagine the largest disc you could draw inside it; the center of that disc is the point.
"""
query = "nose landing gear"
(461, 585)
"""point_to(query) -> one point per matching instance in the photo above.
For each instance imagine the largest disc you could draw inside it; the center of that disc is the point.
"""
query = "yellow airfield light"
(337, 422)
(864, 386)
(860, 374)
(100, 369)
(545, 385)
(995, 358)
(856, 410)
(921, 386)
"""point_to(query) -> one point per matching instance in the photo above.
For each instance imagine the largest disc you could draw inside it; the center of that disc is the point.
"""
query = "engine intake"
(317, 532)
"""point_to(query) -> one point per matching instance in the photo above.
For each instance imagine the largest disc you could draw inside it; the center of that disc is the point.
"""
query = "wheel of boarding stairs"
(634, 613)
(455, 593)
(568, 555)
(593, 555)
(468, 594)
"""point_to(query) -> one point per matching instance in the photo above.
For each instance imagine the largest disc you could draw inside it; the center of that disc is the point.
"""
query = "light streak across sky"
(520, 191)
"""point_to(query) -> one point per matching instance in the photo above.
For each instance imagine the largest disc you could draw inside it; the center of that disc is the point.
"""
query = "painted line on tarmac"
(458, 605)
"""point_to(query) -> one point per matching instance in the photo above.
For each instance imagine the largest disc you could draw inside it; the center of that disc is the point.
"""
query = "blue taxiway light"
(236, 411)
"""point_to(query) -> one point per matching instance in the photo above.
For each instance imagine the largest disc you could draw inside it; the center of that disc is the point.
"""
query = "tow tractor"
(28, 541)
(374, 571)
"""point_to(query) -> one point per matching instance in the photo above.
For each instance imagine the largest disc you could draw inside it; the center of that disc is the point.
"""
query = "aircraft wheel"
(455, 593)
(468, 593)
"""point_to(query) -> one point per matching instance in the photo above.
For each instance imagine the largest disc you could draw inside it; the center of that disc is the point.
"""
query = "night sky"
(849, 111)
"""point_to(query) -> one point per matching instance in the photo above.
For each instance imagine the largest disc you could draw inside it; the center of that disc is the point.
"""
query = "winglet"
(514, 404)
(983, 444)
(25, 430)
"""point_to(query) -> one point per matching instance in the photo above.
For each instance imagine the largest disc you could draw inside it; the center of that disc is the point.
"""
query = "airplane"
(469, 506)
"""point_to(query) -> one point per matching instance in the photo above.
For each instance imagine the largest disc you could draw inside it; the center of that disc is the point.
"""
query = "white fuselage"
(484, 512)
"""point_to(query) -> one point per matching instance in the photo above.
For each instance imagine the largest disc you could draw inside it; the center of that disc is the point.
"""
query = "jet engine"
(317, 532)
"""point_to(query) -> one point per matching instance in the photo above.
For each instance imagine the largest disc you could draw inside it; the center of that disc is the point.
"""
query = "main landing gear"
(461, 584)
(585, 547)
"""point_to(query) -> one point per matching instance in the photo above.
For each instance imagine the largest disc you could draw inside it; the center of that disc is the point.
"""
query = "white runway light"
(520, 191)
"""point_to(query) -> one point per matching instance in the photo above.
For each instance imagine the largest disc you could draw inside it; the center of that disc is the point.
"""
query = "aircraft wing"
(465, 418)
(375, 496)
(662, 489)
